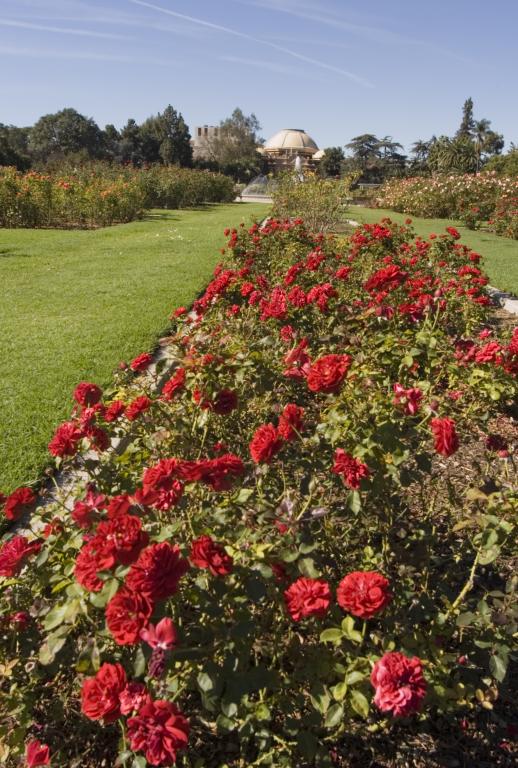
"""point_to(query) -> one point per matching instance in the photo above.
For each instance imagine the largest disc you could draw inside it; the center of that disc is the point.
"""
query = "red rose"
(133, 697)
(161, 484)
(218, 473)
(408, 399)
(127, 614)
(160, 731)
(141, 362)
(363, 593)
(290, 422)
(20, 501)
(66, 439)
(399, 684)
(157, 571)
(307, 597)
(453, 232)
(87, 394)
(327, 373)
(13, 554)
(123, 537)
(352, 470)
(446, 440)
(136, 407)
(92, 558)
(37, 754)
(163, 636)
(175, 384)
(206, 553)
(225, 402)
(100, 695)
(114, 411)
(265, 444)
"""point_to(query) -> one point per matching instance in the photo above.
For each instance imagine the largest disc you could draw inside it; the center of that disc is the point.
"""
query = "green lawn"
(500, 253)
(75, 303)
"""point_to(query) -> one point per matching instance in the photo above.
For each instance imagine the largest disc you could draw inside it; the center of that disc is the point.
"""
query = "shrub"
(100, 195)
(471, 198)
(320, 202)
(307, 535)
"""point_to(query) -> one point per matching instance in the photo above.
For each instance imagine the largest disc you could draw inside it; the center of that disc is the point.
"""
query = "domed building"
(283, 148)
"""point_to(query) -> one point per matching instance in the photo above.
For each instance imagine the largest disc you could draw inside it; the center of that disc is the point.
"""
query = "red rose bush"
(286, 537)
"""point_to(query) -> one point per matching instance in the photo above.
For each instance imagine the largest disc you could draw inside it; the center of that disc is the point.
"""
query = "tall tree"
(487, 141)
(467, 123)
(237, 139)
(166, 138)
(63, 133)
(331, 163)
(364, 149)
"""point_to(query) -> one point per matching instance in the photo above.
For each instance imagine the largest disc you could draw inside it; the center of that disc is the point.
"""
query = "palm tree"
(481, 132)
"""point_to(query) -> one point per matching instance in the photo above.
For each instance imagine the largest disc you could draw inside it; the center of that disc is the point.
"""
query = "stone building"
(283, 148)
(200, 142)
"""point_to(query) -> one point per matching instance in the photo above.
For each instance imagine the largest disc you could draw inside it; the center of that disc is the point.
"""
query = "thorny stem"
(468, 586)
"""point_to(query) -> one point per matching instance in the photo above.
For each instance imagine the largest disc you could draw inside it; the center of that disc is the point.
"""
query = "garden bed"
(305, 547)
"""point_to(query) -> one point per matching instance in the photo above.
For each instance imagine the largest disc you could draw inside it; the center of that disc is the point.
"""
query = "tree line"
(165, 138)
(474, 146)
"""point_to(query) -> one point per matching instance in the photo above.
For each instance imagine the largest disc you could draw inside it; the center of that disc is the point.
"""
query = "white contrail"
(245, 36)
(62, 30)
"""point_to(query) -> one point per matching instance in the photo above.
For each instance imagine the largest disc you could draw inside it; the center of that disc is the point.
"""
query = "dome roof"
(291, 138)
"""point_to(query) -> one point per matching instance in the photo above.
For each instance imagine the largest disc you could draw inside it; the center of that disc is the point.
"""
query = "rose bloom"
(20, 501)
(409, 399)
(327, 373)
(453, 232)
(114, 411)
(91, 559)
(399, 684)
(133, 697)
(141, 362)
(162, 488)
(290, 422)
(206, 553)
(446, 440)
(162, 636)
(13, 554)
(37, 754)
(175, 384)
(136, 407)
(123, 537)
(157, 571)
(225, 402)
(351, 470)
(87, 394)
(66, 439)
(265, 444)
(219, 473)
(307, 597)
(363, 593)
(127, 614)
(159, 730)
(100, 695)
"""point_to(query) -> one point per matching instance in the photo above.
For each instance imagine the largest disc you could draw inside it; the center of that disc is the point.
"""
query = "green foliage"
(64, 133)
(259, 687)
(320, 202)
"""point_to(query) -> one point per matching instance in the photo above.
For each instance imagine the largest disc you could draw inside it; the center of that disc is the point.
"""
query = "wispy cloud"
(61, 30)
(271, 66)
(243, 35)
(315, 13)
(35, 53)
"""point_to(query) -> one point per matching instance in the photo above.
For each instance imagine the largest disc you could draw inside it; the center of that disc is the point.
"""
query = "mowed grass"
(500, 253)
(76, 303)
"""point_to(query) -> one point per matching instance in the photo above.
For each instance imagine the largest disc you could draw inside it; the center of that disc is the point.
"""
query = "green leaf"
(354, 502)
(225, 724)
(334, 716)
(205, 682)
(332, 635)
(320, 698)
(465, 619)
(360, 703)
(349, 631)
(307, 744)
(55, 616)
(139, 762)
(307, 568)
(139, 664)
(243, 495)
(354, 677)
(339, 691)
(498, 667)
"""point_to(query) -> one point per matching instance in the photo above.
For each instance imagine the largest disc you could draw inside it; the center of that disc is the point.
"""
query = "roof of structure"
(291, 138)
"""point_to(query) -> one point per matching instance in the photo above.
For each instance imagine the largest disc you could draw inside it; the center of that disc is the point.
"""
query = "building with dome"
(283, 148)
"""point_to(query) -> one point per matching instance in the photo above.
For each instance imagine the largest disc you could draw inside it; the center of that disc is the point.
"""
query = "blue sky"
(336, 68)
